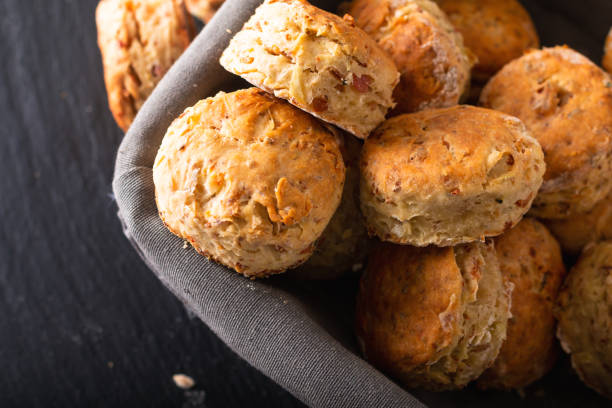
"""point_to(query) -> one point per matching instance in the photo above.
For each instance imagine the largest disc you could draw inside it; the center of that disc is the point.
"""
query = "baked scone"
(585, 321)
(428, 51)
(204, 9)
(432, 317)
(565, 101)
(448, 176)
(344, 244)
(249, 180)
(530, 259)
(496, 31)
(317, 61)
(607, 58)
(139, 41)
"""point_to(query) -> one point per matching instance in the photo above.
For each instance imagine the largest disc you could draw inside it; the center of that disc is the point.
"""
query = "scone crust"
(318, 61)
(530, 259)
(428, 51)
(495, 31)
(249, 181)
(448, 176)
(585, 321)
(565, 101)
(204, 9)
(432, 317)
(139, 41)
(607, 58)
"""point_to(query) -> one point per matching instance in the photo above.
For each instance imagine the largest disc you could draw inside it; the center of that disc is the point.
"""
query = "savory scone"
(317, 61)
(585, 318)
(249, 180)
(530, 259)
(496, 31)
(432, 317)
(139, 41)
(448, 176)
(204, 9)
(607, 58)
(565, 101)
(429, 53)
(344, 244)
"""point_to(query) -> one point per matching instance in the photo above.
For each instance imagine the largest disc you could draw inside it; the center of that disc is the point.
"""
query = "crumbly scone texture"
(448, 176)
(139, 41)
(496, 31)
(249, 180)
(204, 9)
(319, 62)
(427, 50)
(530, 259)
(432, 317)
(585, 321)
(565, 101)
(607, 58)
(343, 246)
(575, 232)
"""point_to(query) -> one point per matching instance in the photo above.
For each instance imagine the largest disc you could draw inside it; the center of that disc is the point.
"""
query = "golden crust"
(495, 31)
(204, 9)
(565, 100)
(448, 176)
(607, 58)
(249, 180)
(317, 61)
(429, 53)
(585, 321)
(432, 317)
(139, 41)
(530, 259)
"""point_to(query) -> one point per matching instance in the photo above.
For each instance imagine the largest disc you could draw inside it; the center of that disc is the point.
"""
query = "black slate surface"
(83, 322)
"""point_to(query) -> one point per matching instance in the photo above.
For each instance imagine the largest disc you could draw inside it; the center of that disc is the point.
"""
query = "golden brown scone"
(344, 244)
(530, 259)
(427, 50)
(607, 59)
(139, 41)
(432, 317)
(249, 180)
(496, 31)
(585, 318)
(317, 61)
(565, 101)
(448, 176)
(204, 9)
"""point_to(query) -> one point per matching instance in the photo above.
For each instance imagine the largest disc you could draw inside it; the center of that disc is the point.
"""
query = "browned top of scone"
(496, 31)
(529, 258)
(564, 100)
(607, 58)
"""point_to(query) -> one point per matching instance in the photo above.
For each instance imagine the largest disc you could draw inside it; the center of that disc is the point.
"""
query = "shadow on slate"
(300, 333)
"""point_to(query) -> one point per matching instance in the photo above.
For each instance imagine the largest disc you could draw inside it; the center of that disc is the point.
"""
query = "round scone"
(575, 232)
(139, 41)
(429, 53)
(565, 101)
(317, 61)
(585, 321)
(607, 58)
(529, 259)
(344, 244)
(204, 9)
(496, 31)
(448, 176)
(249, 180)
(432, 317)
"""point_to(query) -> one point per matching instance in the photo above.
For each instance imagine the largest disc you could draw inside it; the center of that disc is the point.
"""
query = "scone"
(565, 101)
(575, 232)
(139, 41)
(432, 317)
(585, 321)
(530, 259)
(496, 31)
(427, 50)
(607, 58)
(249, 180)
(448, 176)
(317, 61)
(344, 244)
(204, 9)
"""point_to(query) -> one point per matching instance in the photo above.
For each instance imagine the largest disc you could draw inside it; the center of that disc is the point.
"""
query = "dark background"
(83, 322)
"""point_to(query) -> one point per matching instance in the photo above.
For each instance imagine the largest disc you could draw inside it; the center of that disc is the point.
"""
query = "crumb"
(228, 30)
(183, 381)
(185, 244)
